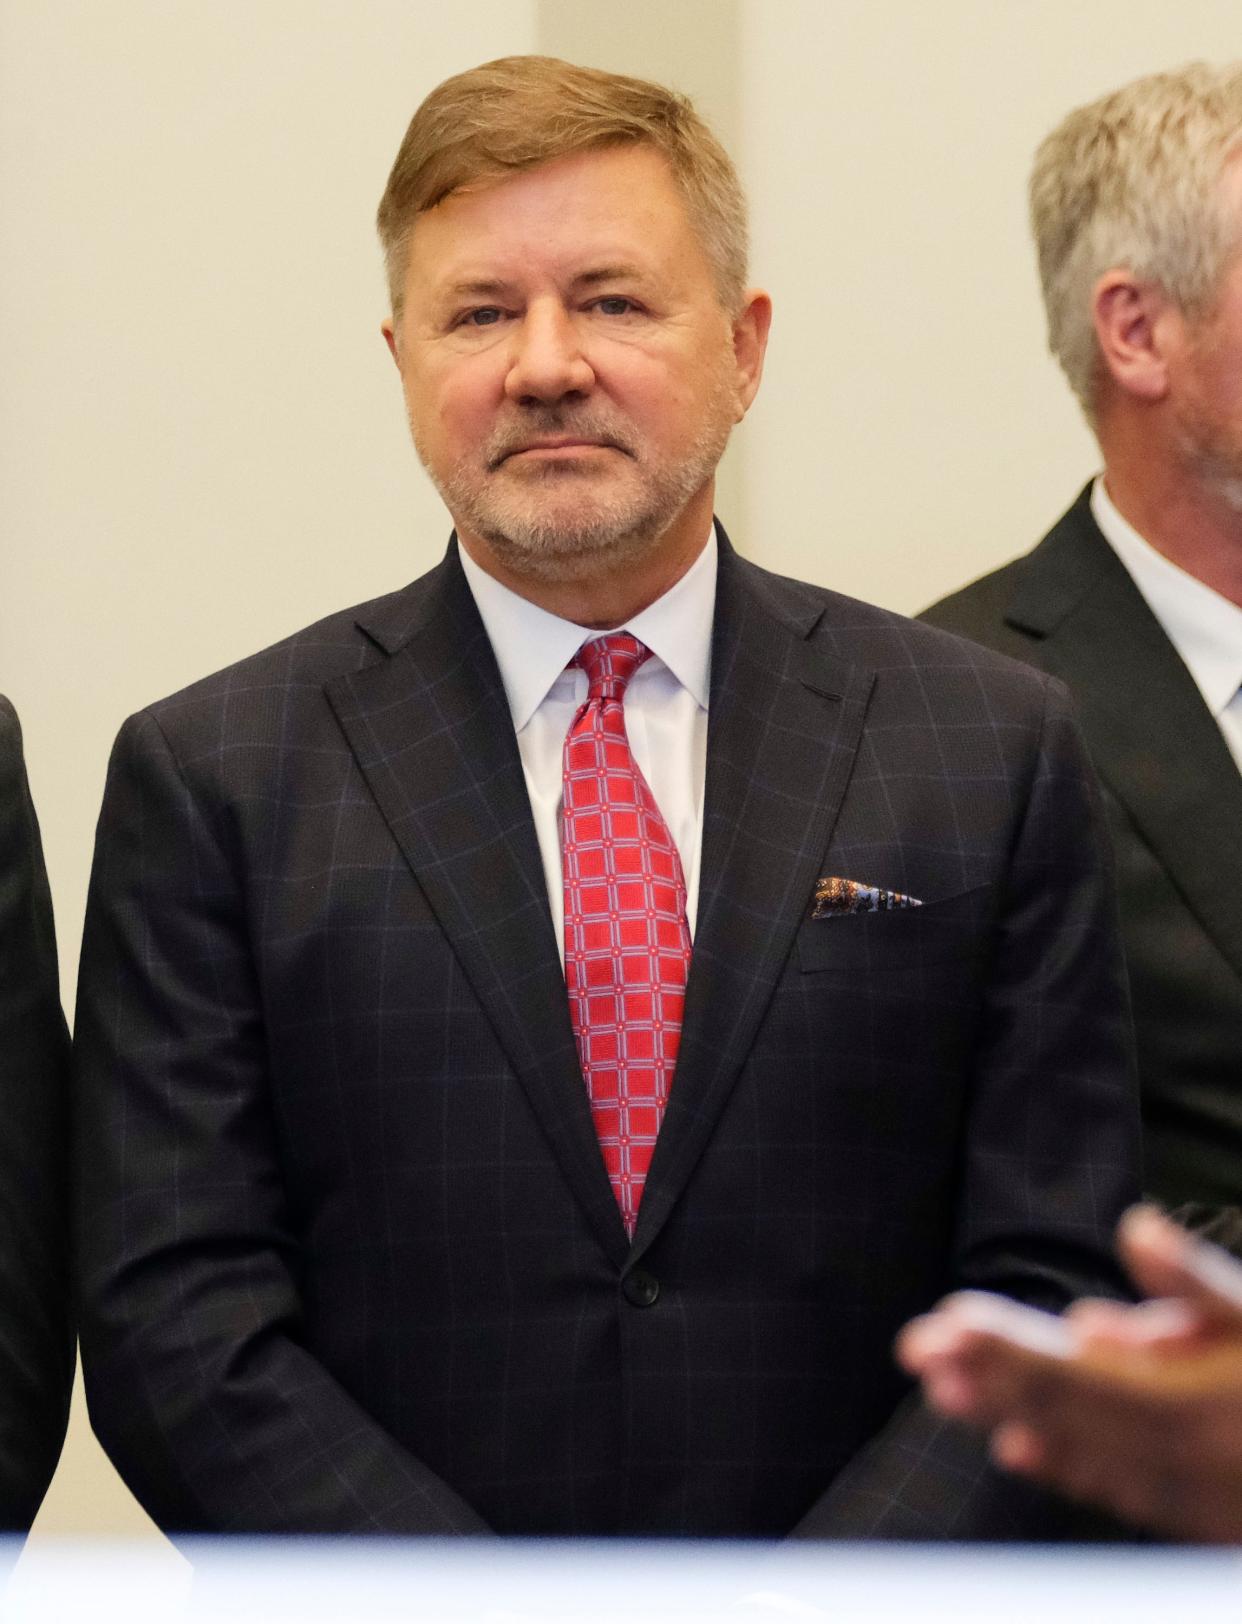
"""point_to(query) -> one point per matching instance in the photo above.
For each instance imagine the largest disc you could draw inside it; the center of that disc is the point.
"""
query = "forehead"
(618, 203)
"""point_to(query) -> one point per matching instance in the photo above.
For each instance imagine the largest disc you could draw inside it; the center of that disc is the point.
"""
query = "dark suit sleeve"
(36, 1335)
(1050, 1152)
(200, 1384)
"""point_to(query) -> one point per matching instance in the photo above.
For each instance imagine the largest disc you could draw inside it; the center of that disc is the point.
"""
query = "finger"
(1162, 1325)
(926, 1340)
(964, 1372)
(950, 1362)
(1166, 1261)
(968, 1316)
(952, 1330)
(1019, 1448)
(954, 1393)
(991, 1379)
(1090, 1317)
(981, 1357)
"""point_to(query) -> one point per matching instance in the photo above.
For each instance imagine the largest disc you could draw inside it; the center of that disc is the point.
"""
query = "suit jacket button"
(640, 1288)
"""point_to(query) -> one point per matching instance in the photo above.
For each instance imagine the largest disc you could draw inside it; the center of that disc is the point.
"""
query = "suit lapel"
(783, 729)
(431, 731)
(1153, 740)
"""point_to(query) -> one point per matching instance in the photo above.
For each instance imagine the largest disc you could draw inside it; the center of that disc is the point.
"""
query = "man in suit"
(528, 1075)
(36, 1329)
(1134, 599)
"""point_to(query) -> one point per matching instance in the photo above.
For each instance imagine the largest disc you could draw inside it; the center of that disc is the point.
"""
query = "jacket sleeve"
(1050, 1149)
(200, 1384)
(36, 1331)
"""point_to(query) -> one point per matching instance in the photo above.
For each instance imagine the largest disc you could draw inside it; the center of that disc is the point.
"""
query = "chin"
(571, 548)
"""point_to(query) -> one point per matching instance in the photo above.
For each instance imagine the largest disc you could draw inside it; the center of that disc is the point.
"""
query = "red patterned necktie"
(627, 943)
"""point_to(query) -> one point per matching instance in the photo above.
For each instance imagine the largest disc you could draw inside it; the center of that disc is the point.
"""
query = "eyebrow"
(620, 272)
(483, 288)
(486, 287)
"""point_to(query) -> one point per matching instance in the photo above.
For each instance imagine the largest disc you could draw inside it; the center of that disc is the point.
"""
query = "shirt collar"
(533, 647)
(1204, 627)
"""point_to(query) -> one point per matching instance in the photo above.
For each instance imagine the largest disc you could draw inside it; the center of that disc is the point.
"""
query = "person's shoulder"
(261, 697)
(13, 790)
(886, 641)
(10, 728)
(1066, 556)
(978, 609)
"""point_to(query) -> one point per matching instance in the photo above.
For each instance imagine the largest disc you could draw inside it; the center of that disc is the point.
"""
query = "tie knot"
(609, 662)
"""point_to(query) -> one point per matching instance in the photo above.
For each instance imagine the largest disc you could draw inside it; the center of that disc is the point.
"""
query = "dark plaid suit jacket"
(350, 1259)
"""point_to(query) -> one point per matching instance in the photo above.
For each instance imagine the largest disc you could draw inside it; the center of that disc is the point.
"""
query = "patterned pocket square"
(834, 895)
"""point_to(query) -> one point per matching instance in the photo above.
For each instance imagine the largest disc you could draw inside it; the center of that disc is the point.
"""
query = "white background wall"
(201, 439)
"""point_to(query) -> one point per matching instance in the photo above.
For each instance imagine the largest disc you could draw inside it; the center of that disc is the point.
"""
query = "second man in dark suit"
(1135, 597)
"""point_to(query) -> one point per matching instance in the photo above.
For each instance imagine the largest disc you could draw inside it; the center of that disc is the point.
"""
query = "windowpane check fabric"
(627, 943)
(342, 1202)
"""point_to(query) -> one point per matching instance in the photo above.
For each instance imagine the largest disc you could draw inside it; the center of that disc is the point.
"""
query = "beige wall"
(912, 431)
(201, 441)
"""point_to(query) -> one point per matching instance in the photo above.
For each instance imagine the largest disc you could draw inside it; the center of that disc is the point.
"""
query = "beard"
(552, 519)
(1209, 419)
(1214, 457)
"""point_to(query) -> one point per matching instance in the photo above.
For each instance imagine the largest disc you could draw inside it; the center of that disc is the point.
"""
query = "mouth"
(557, 448)
(563, 446)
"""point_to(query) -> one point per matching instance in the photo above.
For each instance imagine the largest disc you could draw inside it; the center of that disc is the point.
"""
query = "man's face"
(1206, 380)
(569, 373)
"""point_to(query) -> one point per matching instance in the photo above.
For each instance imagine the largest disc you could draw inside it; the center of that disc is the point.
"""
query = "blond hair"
(1132, 182)
(521, 111)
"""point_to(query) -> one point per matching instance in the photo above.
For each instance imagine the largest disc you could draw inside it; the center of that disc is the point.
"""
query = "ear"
(750, 342)
(389, 330)
(1133, 322)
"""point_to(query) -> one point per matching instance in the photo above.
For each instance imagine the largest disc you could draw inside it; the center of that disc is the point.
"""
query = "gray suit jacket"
(1174, 800)
(350, 1257)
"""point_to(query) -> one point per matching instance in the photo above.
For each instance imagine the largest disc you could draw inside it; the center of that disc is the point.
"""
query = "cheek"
(673, 399)
(1215, 381)
(1219, 401)
(449, 413)
(1231, 379)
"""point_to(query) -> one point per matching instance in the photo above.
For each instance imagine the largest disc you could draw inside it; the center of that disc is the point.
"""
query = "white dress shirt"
(1204, 627)
(665, 706)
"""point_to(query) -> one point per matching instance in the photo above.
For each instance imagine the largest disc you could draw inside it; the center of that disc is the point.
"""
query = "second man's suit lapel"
(431, 730)
(783, 728)
(1152, 738)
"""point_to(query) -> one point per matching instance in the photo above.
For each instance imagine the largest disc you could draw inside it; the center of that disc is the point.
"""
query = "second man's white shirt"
(665, 706)
(1204, 627)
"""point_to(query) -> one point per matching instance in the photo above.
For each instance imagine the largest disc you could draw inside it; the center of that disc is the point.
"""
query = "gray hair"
(1132, 182)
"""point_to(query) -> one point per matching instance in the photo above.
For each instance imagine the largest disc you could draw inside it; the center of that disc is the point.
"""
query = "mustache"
(544, 424)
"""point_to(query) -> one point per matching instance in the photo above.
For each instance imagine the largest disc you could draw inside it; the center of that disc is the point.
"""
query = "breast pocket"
(944, 932)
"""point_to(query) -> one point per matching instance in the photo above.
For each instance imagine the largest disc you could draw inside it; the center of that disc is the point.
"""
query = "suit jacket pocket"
(953, 928)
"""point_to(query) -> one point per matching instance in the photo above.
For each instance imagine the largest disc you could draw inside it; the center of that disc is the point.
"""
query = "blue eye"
(485, 316)
(614, 306)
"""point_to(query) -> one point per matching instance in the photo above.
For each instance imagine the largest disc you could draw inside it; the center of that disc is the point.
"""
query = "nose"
(547, 362)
